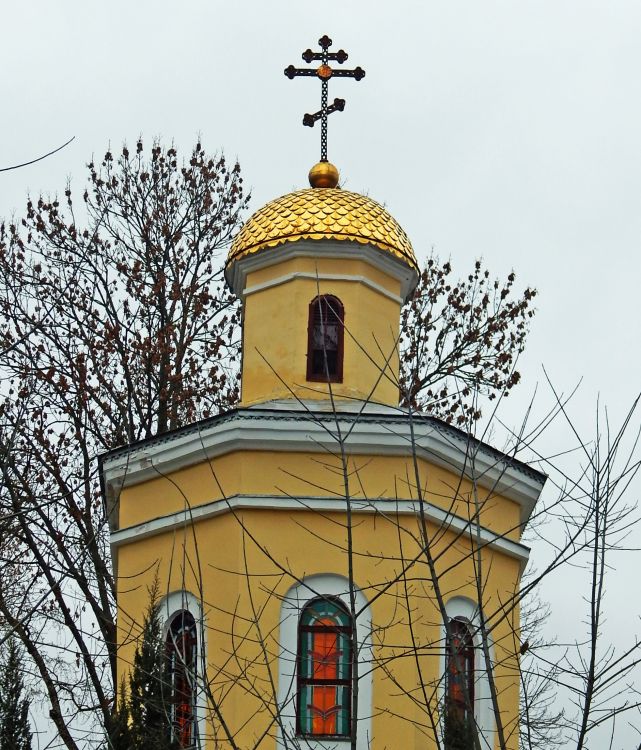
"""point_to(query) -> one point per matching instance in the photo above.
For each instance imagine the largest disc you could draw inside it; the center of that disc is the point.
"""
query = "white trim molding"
(380, 506)
(237, 271)
(375, 433)
(322, 584)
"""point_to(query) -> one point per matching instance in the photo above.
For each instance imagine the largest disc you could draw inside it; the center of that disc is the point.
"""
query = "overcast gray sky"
(497, 129)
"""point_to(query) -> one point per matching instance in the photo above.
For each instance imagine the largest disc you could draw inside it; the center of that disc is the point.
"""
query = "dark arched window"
(325, 340)
(459, 687)
(181, 678)
(324, 663)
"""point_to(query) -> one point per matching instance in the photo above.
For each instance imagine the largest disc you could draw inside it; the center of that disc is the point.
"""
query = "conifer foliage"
(149, 718)
(143, 719)
(15, 733)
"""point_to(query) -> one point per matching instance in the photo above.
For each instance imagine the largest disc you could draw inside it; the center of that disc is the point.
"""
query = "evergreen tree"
(121, 735)
(459, 731)
(141, 720)
(15, 733)
(149, 722)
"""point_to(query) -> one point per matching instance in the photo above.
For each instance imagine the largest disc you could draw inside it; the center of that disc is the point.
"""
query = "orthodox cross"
(324, 72)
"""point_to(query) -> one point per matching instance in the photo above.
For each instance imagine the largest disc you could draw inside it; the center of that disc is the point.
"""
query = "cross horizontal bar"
(338, 105)
(339, 56)
(309, 120)
(291, 72)
(357, 73)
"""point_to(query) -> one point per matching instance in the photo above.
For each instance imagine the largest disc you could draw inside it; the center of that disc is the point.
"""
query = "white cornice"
(373, 434)
(388, 507)
(236, 272)
(323, 277)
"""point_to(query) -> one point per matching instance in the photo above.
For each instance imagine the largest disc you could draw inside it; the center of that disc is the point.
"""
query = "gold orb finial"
(323, 175)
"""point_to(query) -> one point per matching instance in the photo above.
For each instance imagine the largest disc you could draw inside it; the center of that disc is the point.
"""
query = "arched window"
(459, 687)
(325, 340)
(324, 662)
(303, 596)
(180, 647)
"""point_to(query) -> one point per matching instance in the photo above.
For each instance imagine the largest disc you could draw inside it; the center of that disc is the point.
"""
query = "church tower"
(335, 571)
(341, 265)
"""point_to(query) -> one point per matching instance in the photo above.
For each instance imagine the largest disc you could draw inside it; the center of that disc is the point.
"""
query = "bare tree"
(115, 326)
(596, 508)
(461, 338)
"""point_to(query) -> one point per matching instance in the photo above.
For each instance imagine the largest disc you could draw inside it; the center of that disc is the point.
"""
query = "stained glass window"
(325, 340)
(181, 678)
(324, 669)
(459, 688)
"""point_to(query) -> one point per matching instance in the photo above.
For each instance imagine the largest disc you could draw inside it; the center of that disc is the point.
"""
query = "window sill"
(333, 737)
(322, 741)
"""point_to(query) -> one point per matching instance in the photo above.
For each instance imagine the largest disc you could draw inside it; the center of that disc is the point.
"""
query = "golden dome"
(322, 213)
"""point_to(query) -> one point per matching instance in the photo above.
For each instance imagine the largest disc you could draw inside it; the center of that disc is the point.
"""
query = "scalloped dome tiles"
(316, 214)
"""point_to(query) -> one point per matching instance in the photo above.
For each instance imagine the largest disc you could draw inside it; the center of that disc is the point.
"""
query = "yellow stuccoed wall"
(275, 332)
(310, 474)
(245, 562)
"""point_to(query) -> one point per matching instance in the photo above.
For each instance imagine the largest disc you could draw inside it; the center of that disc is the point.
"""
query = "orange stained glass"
(324, 710)
(325, 652)
(325, 656)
